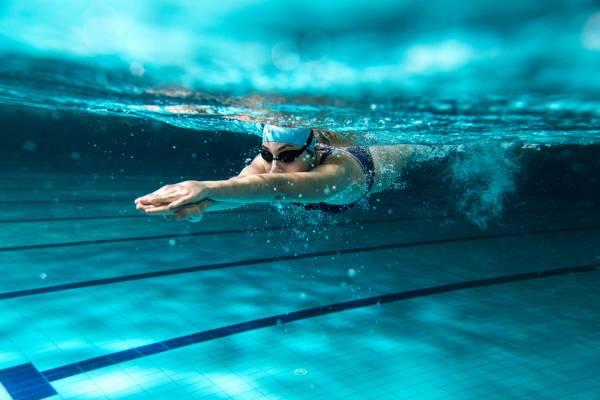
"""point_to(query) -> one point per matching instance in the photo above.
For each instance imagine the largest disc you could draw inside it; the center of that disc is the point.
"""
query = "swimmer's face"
(304, 162)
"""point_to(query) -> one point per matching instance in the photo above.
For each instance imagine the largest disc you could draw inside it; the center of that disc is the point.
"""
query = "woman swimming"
(293, 166)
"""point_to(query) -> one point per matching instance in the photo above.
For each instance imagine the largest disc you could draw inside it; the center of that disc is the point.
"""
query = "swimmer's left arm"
(320, 184)
(324, 182)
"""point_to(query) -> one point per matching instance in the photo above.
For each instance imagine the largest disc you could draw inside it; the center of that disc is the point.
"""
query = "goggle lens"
(285, 156)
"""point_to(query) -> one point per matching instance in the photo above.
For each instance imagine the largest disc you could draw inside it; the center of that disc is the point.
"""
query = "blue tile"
(62, 372)
(200, 337)
(125, 355)
(25, 382)
(153, 348)
(176, 343)
(95, 363)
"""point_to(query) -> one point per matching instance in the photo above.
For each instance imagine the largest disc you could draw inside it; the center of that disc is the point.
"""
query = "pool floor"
(406, 301)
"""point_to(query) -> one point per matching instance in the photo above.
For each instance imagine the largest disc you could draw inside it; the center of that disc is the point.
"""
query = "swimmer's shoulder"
(332, 155)
(333, 139)
(328, 154)
(257, 166)
(331, 147)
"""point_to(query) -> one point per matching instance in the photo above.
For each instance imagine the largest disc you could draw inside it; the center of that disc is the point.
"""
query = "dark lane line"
(113, 199)
(69, 201)
(131, 239)
(26, 381)
(75, 189)
(203, 233)
(232, 231)
(116, 198)
(240, 210)
(264, 260)
(101, 217)
(75, 183)
(257, 210)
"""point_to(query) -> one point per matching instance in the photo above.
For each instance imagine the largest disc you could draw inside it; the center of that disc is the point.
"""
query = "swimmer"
(307, 167)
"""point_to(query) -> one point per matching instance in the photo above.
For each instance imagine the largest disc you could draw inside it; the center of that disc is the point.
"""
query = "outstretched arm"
(320, 184)
(167, 194)
(324, 183)
(254, 168)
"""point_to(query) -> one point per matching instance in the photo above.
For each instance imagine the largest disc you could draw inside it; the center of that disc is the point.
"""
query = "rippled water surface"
(534, 118)
(387, 72)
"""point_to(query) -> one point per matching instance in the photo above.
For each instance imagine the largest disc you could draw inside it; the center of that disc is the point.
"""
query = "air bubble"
(300, 371)
(29, 146)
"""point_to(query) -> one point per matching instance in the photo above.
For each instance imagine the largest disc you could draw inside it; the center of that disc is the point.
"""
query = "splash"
(484, 174)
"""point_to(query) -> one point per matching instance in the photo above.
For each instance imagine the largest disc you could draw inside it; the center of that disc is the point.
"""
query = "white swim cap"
(297, 136)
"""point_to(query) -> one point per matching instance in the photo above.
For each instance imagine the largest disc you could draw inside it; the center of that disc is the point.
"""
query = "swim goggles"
(287, 156)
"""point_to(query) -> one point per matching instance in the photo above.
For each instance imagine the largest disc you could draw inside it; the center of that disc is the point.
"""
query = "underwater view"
(267, 199)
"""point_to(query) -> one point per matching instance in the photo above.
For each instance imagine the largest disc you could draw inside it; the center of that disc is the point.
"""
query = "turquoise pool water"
(475, 276)
(404, 301)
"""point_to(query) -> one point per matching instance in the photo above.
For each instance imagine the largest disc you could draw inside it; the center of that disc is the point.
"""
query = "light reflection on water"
(387, 71)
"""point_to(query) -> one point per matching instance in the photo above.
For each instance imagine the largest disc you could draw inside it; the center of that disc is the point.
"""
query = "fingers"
(146, 207)
(159, 195)
(164, 198)
(157, 210)
(173, 202)
(156, 192)
(193, 212)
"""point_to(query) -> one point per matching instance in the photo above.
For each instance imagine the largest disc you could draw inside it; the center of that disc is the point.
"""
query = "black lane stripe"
(131, 239)
(102, 217)
(58, 200)
(224, 232)
(203, 233)
(90, 181)
(257, 210)
(41, 187)
(234, 329)
(75, 189)
(264, 260)
(240, 210)
(69, 201)
(60, 219)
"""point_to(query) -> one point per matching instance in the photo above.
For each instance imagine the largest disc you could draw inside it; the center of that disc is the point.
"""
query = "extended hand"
(170, 197)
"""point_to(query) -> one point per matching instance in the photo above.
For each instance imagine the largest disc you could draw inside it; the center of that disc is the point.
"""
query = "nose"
(275, 167)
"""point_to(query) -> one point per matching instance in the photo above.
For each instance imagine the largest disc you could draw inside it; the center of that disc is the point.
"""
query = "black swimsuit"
(365, 159)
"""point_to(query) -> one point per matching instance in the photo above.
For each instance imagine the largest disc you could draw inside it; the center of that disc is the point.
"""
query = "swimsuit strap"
(363, 155)
(365, 159)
